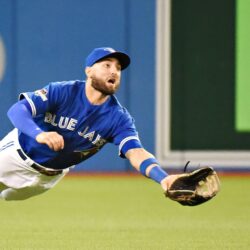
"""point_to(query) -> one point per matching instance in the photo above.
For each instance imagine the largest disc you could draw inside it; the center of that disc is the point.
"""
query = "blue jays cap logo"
(109, 49)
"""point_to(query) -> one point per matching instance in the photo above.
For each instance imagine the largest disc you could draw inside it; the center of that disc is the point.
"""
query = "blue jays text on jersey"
(63, 107)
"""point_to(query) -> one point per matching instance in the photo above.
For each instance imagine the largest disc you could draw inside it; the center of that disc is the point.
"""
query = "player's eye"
(118, 67)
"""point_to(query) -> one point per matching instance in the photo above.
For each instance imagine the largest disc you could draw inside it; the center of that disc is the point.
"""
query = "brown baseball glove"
(194, 188)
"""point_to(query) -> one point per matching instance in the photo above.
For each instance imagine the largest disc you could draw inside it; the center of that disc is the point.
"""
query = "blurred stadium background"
(188, 89)
(187, 85)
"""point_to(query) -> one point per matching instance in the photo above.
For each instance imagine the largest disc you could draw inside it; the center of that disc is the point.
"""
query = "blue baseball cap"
(99, 54)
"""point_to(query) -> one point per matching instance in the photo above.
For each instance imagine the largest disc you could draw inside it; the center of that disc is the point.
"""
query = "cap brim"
(123, 58)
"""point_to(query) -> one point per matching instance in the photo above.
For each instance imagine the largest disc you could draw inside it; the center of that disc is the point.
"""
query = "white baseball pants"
(18, 180)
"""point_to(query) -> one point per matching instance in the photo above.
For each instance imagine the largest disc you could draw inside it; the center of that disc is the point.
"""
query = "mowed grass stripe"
(125, 213)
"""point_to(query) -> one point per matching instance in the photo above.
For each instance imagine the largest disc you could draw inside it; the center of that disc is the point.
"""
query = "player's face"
(105, 76)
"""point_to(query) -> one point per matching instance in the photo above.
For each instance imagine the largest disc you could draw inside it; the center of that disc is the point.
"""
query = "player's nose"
(116, 67)
(114, 71)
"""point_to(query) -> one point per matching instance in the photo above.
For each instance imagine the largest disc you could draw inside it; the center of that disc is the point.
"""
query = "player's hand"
(53, 140)
(167, 182)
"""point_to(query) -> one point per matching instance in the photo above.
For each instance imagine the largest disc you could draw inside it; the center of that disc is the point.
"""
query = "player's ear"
(87, 71)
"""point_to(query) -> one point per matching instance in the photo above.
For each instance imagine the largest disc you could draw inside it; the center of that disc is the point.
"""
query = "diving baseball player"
(64, 123)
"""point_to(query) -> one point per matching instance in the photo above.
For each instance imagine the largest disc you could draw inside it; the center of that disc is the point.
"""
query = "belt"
(40, 169)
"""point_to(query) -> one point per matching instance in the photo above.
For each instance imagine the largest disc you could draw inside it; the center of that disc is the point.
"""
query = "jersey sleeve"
(125, 134)
(43, 99)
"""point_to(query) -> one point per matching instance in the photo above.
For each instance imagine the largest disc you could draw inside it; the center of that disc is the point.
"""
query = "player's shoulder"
(67, 84)
(114, 102)
(118, 108)
(67, 87)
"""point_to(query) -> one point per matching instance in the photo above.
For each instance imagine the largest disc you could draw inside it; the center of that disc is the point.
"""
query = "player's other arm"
(53, 140)
(20, 115)
(146, 164)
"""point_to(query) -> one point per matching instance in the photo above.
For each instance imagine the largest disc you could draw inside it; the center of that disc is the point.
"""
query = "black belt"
(40, 169)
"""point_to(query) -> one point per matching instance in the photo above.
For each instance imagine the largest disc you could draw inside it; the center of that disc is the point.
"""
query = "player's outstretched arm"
(147, 165)
(189, 189)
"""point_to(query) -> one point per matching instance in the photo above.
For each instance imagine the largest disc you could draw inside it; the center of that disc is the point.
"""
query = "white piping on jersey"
(33, 107)
(126, 140)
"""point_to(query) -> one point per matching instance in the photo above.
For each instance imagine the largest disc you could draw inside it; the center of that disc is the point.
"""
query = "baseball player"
(64, 123)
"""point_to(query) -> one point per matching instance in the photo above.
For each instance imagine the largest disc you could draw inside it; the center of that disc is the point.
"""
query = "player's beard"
(103, 87)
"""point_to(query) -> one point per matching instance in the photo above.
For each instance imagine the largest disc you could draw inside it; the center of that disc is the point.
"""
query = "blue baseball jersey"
(63, 107)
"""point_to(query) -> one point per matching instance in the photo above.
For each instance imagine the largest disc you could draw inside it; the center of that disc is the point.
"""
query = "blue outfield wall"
(48, 41)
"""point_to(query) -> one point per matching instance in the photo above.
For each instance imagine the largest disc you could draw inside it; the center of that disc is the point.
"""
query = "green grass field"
(112, 213)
